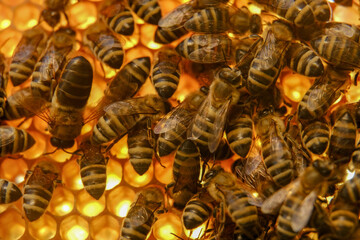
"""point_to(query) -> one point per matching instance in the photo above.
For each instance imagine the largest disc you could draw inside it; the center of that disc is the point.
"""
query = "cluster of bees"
(292, 159)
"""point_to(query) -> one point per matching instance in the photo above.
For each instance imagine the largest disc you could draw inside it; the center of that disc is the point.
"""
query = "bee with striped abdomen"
(52, 13)
(141, 216)
(3, 84)
(304, 60)
(65, 118)
(208, 125)
(26, 55)
(321, 9)
(197, 210)
(13, 140)
(205, 48)
(118, 17)
(38, 189)
(341, 29)
(93, 169)
(315, 136)
(9, 192)
(165, 74)
(49, 67)
(121, 116)
(173, 126)
(141, 144)
(104, 45)
(148, 10)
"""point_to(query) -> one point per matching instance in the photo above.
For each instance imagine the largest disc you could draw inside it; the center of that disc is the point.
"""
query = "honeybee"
(165, 36)
(315, 136)
(304, 60)
(38, 189)
(197, 210)
(121, 116)
(51, 14)
(9, 192)
(118, 17)
(148, 10)
(296, 201)
(104, 45)
(340, 29)
(14, 140)
(26, 55)
(348, 191)
(267, 64)
(338, 51)
(141, 216)
(347, 3)
(322, 94)
(93, 169)
(67, 106)
(176, 18)
(239, 130)
(242, 20)
(298, 12)
(225, 189)
(173, 126)
(3, 85)
(186, 171)
(208, 48)
(209, 122)
(141, 143)
(49, 67)
(321, 9)
(343, 135)
(223, 151)
(275, 151)
(165, 74)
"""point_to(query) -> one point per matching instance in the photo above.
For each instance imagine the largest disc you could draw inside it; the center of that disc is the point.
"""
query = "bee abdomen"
(166, 82)
(195, 213)
(21, 71)
(321, 9)
(316, 137)
(130, 231)
(239, 135)
(187, 159)
(122, 23)
(165, 36)
(344, 218)
(36, 200)
(303, 60)
(75, 84)
(208, 20)
(169, 141)
(110, 51)
(22, 142)
(148, 10)
(9, 192)
(94, 179)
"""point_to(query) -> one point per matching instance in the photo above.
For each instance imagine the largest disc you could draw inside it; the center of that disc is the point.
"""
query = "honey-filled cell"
(295, 86)
(347, 14)
(71, 175)
(12, 224)
(59, 155)
(119, 200)
(82, 14)
(38, 148)
(26, 16)
(74, 227)
(9, 38)
(13, 170)
(147, 36)
(62, 202)
(105, 227)
(137, 52)
(167, 225)
(40, 125)
(132, 40)
(5, 16)
(114, 173)
(134, 179)
(105, 72)
(13, 2)
(120, 149)
(164, 171)
(43, 228)
(89, 206)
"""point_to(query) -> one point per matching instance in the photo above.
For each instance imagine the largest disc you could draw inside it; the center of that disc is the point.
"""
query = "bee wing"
(177, 17)
(321, 95)
(219, 125)
(137, 216)
(272, 204)
(193, 135)
(7, 135)
(303, 213)
(113, 10)
(122, 108)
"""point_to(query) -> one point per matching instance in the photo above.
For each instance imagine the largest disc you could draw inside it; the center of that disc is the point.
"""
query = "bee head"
(325, 168)
(60, 143)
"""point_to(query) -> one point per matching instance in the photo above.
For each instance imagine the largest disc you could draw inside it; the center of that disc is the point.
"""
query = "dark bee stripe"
(21, 141)
(36, 199)
(9, 192)
(122, 23)
(94, 179)
(344, 218)
(109, 50)
(165, 36)
(195, 213)
(316, 137)
(187, 161)
(137, 232)
(321, 9)
(21, 71)
(148, 10)
(351, 189)
(165, 78)
(209, 20)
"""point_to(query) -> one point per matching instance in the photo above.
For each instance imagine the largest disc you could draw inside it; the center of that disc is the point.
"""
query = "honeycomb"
(73, 214)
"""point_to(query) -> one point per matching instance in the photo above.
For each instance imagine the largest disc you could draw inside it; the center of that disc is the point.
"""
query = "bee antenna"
(177, 236)
(48, 153)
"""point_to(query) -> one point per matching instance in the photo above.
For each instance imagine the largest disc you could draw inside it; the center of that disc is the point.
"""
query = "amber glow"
(148, 33)
(12, 224)
(119, 200)
(164, 173)
(62, 202)
(43, 228)
(196, 233)
(347, 14)
(105, 227)
(74, 228)
(120, 150)
(8, 41)
(114, 174)
(13, 169)
(135, 179)
(60, 155)
(82, 14)
(88, 206)
(26, 16)
(254, 9)
(38, 148)
(165, 225)
(295, 86)
(71, 175)
(5, 16)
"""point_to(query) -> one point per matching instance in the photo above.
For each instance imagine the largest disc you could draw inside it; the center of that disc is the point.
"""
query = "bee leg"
(22, 122)
(177, 236)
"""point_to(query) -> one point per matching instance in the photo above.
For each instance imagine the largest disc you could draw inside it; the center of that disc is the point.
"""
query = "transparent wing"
(137, 215)
(193, 135)
(321, 95)
(219, 125)
(303, 213)
(7, 135)
(128, 107)
(177, 17)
